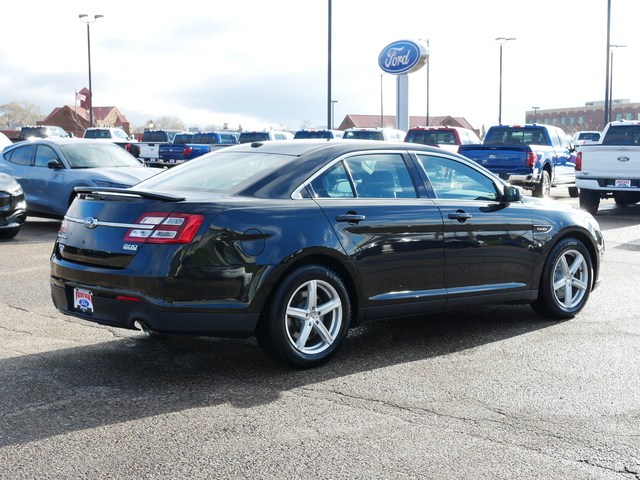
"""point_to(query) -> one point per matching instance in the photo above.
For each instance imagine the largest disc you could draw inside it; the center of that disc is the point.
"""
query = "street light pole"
(501, 41)
(329, 94)
(535, 114)
(611, 80)
(606, 87)
(84, 18)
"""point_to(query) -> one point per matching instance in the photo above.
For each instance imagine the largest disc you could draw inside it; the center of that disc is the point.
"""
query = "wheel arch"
(344, 269)
(585, 239)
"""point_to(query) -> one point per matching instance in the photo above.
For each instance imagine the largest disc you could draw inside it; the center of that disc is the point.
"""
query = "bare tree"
(166, 123)
(19, 113)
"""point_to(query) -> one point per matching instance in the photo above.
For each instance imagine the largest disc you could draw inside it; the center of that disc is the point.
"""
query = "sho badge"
(130, 246)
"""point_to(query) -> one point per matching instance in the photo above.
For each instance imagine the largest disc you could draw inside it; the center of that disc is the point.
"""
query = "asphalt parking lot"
(483, 393)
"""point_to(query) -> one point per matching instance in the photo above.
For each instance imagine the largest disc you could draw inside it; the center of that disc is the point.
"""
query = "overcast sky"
(263, 64)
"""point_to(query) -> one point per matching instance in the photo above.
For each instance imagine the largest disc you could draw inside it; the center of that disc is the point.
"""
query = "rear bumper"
(110, 308)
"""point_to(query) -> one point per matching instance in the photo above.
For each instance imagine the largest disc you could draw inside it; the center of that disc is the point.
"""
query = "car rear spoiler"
(126, 191)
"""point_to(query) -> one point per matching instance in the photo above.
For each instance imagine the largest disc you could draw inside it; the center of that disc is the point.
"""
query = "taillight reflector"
(187, 151)
(162, 227)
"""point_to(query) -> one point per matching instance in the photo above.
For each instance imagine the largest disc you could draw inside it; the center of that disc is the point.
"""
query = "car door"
(488, 245)
(391, 234)
(47, 184)
(564, 159)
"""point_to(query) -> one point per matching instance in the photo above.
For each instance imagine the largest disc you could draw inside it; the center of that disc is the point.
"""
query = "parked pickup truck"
(114, 135)
(610, 168)
(198, 144)
(151, 140)
(533, 156)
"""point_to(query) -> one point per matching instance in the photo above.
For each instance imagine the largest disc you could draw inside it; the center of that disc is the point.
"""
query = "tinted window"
(183, 138)
(452, 179)
(364, 135)
(22, 155)
(516, 136)
(432, 137)
(221, 172)
(315, 134)
(370, 176)
(95, 155)
(593, 136)
(246, 137)
(44, 154)
(622, 135)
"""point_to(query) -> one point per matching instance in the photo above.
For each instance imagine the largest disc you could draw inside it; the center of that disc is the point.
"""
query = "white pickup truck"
(611, 167)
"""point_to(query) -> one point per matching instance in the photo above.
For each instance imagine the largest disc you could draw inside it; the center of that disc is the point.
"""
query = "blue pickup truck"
(189, 146)
(533, 156)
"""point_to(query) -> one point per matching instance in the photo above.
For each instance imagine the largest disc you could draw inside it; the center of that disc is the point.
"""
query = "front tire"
(308, 318)
(543, 189)
(566, 280)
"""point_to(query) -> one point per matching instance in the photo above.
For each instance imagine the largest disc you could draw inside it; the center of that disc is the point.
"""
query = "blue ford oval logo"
(403, 57)
(91, 222)
(623, 159)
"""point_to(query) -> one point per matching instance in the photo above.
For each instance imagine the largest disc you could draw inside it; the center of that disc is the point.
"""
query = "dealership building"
(589, 117)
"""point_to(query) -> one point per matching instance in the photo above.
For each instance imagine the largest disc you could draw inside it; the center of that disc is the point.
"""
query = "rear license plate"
(623, 183)
(83, 300)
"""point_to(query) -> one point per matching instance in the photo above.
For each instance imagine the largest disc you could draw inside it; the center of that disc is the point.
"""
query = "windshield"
(364, 135)
(98, 155)
(217, 172)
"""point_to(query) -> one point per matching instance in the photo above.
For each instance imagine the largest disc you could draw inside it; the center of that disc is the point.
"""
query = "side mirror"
(55, 164)
(512, 194)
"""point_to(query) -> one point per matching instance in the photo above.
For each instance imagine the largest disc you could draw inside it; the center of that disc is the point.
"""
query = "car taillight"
(162, 227)
(187, 151)
(579, 162)
(531, 159)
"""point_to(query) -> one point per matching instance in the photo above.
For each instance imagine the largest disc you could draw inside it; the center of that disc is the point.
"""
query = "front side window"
(451, 179)
(44, 154)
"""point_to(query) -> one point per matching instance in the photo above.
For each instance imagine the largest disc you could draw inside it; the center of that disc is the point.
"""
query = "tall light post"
(501, 41)
(535, 114)
(84, 18)
(381, 103)
(611, 79)
(428, 62)
(606, 86)
(329, 94)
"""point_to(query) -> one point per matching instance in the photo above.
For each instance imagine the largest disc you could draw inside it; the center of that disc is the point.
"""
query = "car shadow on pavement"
(137, 376)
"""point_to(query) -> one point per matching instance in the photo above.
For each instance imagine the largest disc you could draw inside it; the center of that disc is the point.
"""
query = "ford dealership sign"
(403, 57)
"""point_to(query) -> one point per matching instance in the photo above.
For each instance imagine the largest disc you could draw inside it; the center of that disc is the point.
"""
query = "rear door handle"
(350, 218)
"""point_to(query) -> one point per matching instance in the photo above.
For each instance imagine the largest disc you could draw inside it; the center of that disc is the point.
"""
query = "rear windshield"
(516, 136)
(246, 137)
(183, 138)
(364, 135)
(432, 137)
(215, 138)
(316, 134)
(622, 135)
(592, 136)
(158, 136)
(222, 171)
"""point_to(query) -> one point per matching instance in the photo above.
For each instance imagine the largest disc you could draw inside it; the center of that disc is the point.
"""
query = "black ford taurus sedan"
(295, 242)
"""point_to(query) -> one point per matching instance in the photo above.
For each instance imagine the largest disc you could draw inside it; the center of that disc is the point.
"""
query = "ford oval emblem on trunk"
(91, 222)
(623, 159)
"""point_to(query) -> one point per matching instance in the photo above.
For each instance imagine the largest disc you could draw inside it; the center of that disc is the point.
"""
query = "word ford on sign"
(403, 57)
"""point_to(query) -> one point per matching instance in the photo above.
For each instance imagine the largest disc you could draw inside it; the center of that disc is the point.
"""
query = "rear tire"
(543, 189)
(589, 200)
(574, 192)
(566, 280)
(307, 319)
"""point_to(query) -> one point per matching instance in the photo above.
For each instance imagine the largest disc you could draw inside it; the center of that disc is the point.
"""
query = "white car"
(4, 141)
(585, 138)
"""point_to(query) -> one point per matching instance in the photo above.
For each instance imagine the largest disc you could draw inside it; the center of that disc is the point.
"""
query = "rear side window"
(247, 137)
(21, 155)
(364, 135)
